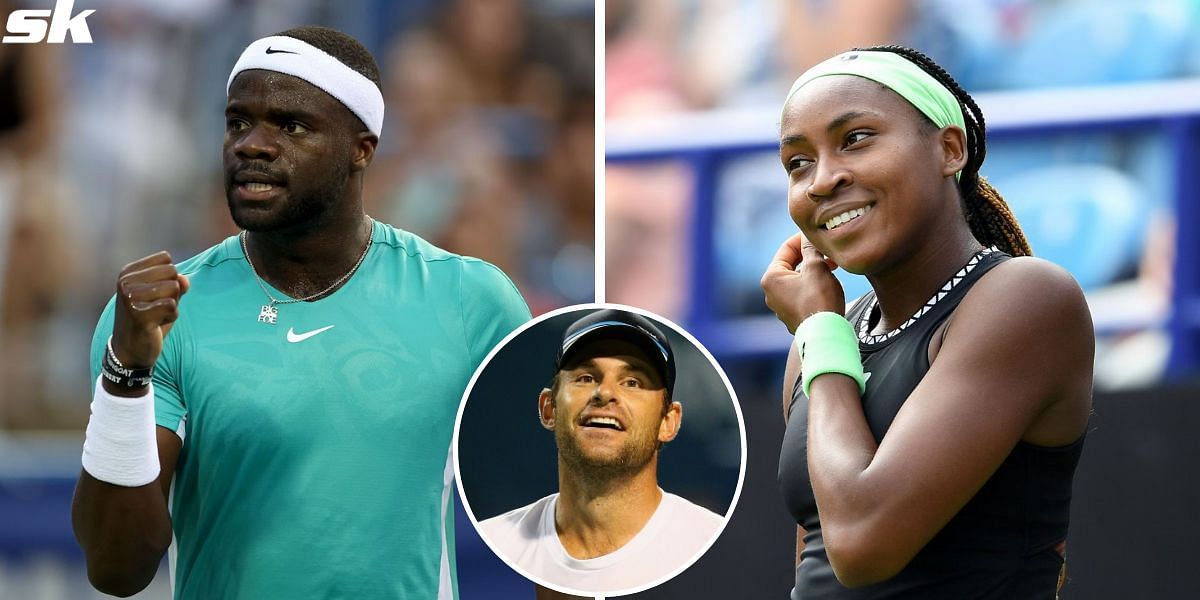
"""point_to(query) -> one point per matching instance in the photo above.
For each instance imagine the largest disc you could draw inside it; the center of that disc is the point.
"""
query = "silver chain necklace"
(269, 314)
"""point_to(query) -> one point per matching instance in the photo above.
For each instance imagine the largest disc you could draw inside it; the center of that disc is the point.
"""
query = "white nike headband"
(297, 58)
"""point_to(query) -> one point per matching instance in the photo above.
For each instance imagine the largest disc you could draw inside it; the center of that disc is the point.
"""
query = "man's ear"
(546, 408)
(954, 149)
(668, 428)
(365, 143)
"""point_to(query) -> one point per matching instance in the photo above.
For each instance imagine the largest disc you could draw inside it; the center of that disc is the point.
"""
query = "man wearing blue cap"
(610, 528)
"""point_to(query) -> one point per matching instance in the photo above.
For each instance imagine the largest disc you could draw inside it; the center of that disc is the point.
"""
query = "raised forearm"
(840, 451)
(840, 445)
(119, 512)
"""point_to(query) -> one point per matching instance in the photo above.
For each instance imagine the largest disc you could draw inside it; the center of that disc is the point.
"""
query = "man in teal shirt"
(278, 409)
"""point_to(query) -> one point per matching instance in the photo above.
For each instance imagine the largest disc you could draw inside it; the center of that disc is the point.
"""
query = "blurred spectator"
(646, 205)
(490, 152)
(642, 74)
(36, 233)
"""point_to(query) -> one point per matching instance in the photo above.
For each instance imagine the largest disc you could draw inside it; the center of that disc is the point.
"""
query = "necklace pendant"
(269, 314)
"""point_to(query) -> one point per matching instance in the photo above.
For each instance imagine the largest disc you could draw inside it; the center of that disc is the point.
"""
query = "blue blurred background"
(1093, 110)
(111, 151)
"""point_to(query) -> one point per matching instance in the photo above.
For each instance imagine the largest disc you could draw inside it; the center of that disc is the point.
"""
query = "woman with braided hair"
(934, 425)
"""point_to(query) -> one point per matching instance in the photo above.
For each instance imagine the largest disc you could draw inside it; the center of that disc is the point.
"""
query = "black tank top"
(1004, 544)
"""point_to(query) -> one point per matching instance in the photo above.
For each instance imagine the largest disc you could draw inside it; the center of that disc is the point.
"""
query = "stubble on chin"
(296, 209)
(603, 465)
(289, 213)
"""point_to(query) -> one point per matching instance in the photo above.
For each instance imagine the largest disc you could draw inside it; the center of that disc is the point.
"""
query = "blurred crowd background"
(111, 151)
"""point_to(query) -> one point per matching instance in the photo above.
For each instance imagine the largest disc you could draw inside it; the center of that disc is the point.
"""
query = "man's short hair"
(340, 46)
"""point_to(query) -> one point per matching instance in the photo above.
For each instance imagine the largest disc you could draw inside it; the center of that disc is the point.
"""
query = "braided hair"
(988, 215)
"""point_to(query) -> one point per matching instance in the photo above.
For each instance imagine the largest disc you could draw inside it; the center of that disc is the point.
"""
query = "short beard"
(300, 212)
(631, 458)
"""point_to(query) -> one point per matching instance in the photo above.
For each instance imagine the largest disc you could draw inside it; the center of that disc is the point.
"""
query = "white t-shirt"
(674, 536)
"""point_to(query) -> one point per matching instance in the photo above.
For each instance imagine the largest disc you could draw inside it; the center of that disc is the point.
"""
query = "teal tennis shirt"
(315, 459)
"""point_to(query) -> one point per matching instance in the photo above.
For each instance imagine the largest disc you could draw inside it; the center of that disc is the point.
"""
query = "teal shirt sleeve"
(491, 307)
(169, 409)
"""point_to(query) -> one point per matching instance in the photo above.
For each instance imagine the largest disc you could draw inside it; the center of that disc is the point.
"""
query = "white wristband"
(121, 446)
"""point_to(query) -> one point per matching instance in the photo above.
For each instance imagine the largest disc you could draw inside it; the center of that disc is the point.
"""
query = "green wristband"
(827, 344)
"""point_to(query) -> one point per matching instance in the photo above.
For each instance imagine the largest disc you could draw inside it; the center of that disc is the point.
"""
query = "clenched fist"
(148, 293)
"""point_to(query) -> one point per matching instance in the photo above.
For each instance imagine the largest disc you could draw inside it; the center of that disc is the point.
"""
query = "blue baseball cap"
(609, 324)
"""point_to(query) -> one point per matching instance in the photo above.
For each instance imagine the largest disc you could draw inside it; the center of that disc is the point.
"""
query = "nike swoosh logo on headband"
(271, 50)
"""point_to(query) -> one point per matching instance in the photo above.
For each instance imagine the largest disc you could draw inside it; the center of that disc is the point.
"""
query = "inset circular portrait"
(600, 450)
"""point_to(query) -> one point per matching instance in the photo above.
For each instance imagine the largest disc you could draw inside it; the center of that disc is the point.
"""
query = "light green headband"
(900, 75)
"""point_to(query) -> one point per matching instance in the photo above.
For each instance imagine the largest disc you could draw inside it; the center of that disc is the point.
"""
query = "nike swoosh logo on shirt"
(294, 337)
